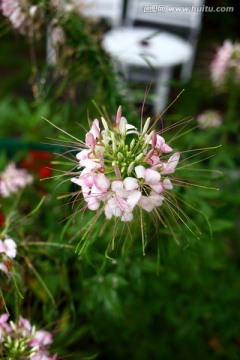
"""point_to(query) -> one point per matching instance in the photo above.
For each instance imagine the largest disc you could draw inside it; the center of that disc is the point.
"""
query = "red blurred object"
(44, 172)
(2, 219)
(38, 162)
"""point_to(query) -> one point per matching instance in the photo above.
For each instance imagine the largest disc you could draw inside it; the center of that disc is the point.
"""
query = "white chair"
(137, 49)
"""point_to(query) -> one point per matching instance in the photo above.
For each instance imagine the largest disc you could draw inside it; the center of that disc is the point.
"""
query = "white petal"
(140, 171)
(3, 268)
(93, 203)
(108, 212)
(77, 181)
(156, 199)
(90, 164)
(82, 155)
(122, 125)
(11, 248)
(157, 187)
(130, 183)
(133, 198)
(127, 217)
(167, 184)
(117, 185)
(145, 203)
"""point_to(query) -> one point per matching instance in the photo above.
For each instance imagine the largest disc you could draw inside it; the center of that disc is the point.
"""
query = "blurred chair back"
(183, 14)
(111, 10)
(178, 13)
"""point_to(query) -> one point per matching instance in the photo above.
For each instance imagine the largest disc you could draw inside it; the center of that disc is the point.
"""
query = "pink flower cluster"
(21, 15)
(209, 118)
(227, 58)
(13, 179)
(24, 338)
(8, 251)
(123, 168)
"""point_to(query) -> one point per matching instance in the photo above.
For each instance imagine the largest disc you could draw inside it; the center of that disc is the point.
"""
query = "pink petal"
(166, 148)
(82, 155)
(2, 247)
(4, 318)
(87, 179)
(93, 203)
(101, 182)
(169, 168)
(41, 338)
(154, 139)
(160, 142)
(89, 140)
(153, 160)
(24, 324)
(119, 115)
(95, 129)
(152, 176)
(130, 183)
(117, 172)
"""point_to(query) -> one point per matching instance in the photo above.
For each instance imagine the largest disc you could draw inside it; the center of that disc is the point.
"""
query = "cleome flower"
(122, 169)
(226, 59)
(23, 341)
(13, 179)
(209, 119)
(24, 16)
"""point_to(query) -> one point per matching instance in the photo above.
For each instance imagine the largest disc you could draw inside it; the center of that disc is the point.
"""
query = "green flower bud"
(146, 126)
(139, 157)
(130, 168)
(132, 144)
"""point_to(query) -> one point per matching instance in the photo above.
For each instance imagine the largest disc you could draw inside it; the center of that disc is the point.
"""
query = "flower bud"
(117, 172)
(146, 126)
(139, 157)
(113, 142)
(105, 125)
(130, 168)
(120, 155)
(148, 138)
(132, 144)
(154, 139)
(119, 115)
